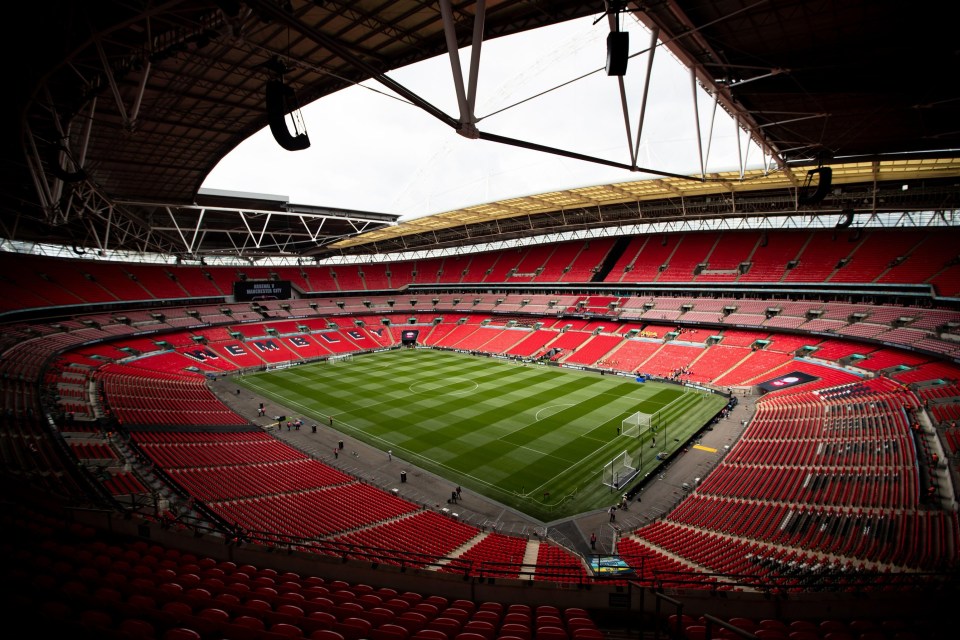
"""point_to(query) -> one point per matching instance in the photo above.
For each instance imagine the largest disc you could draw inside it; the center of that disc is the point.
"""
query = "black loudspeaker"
(618, 52)
(806, 196)
(846, 221)
(280, 102)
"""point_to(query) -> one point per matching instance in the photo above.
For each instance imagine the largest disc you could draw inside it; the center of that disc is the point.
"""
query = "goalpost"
(619, 471)
(639, 423)
(624, 467)
(345, 357)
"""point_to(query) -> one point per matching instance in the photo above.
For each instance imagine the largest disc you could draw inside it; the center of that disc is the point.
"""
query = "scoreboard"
(246, 290)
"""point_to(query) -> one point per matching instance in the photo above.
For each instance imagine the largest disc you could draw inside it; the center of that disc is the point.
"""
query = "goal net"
(345, 357)
(620, 471)
(637, 424)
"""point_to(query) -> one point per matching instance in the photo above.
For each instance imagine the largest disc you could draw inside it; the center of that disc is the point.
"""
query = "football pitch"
(533, 437)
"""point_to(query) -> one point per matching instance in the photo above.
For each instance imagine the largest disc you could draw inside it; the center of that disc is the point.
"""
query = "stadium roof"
(125, 107)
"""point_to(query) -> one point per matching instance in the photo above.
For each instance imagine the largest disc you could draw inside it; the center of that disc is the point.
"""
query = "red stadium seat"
(286, 630)
(135, 629)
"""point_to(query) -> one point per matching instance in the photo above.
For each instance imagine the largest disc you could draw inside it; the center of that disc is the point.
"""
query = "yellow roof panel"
(656, 189)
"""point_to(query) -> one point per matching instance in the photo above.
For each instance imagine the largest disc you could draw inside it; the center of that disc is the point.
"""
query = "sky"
(371, 151)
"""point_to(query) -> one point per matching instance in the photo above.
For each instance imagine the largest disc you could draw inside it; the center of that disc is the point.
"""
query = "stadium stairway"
(531, 553)
(611, 259)
(928, 435)
(459, 551)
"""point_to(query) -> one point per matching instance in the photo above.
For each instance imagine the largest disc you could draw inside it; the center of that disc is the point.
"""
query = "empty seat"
(774, 625)
(291, 597)
(107, 594)
(397, 604)
(518, 630)
(226, 599)
(550, 633)
(379, 616)
(321, 619)
(544, 620)
(370, 600)
(862, 626)
(676, 624)
(197, 596)
(412, 621)
(580, 623)
(249, 622)
(257, 604)
(178, 610)
(466, 605)
(411, 597)
(438, 601)
(495, 607)
(322, 603)
(487, 615)
(96, 620)
(353, 628)
(695, 632)
(171, 589)
(235, 631)
(389, 632)
(135, 629)
(456, 613)
(210, 621)
(430, 634)
(826, 626)
(290, 610)
(426, 608)
(287, 630)
(575, 612)
(747, 624)
(483, 628)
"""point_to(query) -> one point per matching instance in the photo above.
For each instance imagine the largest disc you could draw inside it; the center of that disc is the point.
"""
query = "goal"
(639, 423)
(345, 357)
(619, 471)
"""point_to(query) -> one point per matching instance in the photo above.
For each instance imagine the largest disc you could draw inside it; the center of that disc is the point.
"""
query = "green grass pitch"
(535, 438)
